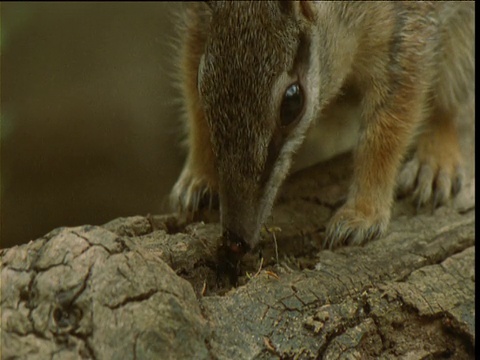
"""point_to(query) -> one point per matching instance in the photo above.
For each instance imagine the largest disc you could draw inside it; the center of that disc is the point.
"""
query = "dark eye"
(292, 104)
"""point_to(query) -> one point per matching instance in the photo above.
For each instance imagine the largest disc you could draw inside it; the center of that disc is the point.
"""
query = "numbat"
(258, 76)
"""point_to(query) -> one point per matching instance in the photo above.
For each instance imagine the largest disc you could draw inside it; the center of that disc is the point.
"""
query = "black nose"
(235, 242)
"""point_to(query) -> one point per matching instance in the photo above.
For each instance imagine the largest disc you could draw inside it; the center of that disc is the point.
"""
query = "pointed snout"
(240, 219)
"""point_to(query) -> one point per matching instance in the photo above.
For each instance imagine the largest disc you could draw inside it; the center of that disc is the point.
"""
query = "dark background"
(90, 124)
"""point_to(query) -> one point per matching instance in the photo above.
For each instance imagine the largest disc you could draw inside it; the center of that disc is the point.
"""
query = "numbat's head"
(258, 92)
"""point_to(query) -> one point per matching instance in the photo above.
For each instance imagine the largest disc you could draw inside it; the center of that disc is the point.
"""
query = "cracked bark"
(148, 287)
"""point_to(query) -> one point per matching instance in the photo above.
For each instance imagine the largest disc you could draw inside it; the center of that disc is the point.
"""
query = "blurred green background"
(89, 114)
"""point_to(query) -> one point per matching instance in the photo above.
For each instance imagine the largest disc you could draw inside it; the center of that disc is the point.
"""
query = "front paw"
(435, 179)
(352, 226)
(191, 192)
(435, 173)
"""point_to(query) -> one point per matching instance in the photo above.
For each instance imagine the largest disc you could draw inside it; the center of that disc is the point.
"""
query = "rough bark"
(150, 287)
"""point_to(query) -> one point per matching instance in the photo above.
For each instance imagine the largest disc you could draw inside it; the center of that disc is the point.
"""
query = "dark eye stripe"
(200, 72)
